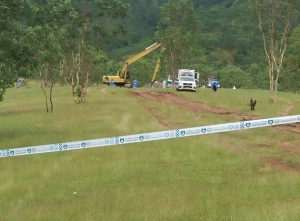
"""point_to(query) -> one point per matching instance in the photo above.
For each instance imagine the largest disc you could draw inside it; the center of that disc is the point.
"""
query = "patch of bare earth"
(292, 128)
(170, 98)
(198, 107)
(279, 165)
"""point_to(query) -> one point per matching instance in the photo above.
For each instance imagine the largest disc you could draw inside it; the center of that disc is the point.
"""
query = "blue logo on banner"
(106, 141)
(122, 140)
(147, 137)
(33, 150)
(182, 133)
(83, 145)
(167, 134)
(12, 152)
(203, 130)
(248, 125)
(29, 150)
(209, 129)
(141, 138)
(230, 127)
(65, 146)
(270, 122)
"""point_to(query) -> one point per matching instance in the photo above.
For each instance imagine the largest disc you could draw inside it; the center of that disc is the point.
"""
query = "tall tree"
(176, 30)
(14, 52)
(101, 18)
(48, 19)
(69, 30)
(274, 22)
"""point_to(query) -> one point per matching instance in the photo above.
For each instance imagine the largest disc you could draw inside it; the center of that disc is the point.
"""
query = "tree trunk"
(83, 52)
(274, 47)
(43, 83)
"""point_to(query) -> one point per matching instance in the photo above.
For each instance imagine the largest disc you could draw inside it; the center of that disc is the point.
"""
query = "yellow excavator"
(122, 78)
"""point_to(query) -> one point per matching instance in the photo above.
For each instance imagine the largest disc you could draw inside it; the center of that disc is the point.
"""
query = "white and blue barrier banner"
(136, 138)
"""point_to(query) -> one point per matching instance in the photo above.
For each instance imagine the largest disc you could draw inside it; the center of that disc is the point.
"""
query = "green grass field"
(250, 175)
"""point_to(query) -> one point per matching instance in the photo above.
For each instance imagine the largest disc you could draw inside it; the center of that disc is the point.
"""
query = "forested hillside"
(145, 14)
(76, 42)
(229, 35)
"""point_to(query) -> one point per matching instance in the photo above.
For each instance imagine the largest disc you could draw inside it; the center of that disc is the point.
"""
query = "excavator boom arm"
(137, 57)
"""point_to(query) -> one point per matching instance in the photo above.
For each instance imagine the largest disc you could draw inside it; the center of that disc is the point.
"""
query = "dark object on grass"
(215, 88)
(252, 104)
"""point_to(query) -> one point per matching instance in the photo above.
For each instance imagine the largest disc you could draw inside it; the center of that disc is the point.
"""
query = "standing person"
(20, 80)
(135, 83)
(214, 86)
(164, 84)
(112, 82)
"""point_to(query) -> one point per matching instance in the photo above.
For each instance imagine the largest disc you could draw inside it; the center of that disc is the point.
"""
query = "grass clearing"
(224, 176)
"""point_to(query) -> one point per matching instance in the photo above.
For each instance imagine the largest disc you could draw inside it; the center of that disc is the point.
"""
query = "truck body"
(186, 80)
(197, 78)
(193, 73)
(122, 78)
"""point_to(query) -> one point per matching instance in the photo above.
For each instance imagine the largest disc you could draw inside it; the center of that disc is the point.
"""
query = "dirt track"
(198, 107)
(170, 98)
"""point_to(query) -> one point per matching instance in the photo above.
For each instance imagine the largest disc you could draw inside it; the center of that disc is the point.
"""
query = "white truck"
(186, 80)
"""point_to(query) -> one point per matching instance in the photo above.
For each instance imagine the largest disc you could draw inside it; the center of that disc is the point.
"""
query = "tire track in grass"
(286, 111)
(198, 107)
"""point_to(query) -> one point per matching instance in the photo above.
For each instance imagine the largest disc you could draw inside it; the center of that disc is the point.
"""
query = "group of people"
(155, 84)
(134, 83)
(214, 85)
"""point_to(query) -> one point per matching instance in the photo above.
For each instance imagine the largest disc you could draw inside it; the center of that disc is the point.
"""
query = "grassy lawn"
(243, 175)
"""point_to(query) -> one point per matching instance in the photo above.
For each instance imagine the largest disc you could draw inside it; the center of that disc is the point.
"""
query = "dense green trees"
(291, 77)
(15, 53)
(54, 40)
(176, 30)
(234, 76)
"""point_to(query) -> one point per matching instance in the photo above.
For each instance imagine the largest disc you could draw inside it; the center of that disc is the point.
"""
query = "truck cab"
(186, 80)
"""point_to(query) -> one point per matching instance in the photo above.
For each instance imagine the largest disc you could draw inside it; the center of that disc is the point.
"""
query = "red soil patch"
(199, 107)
